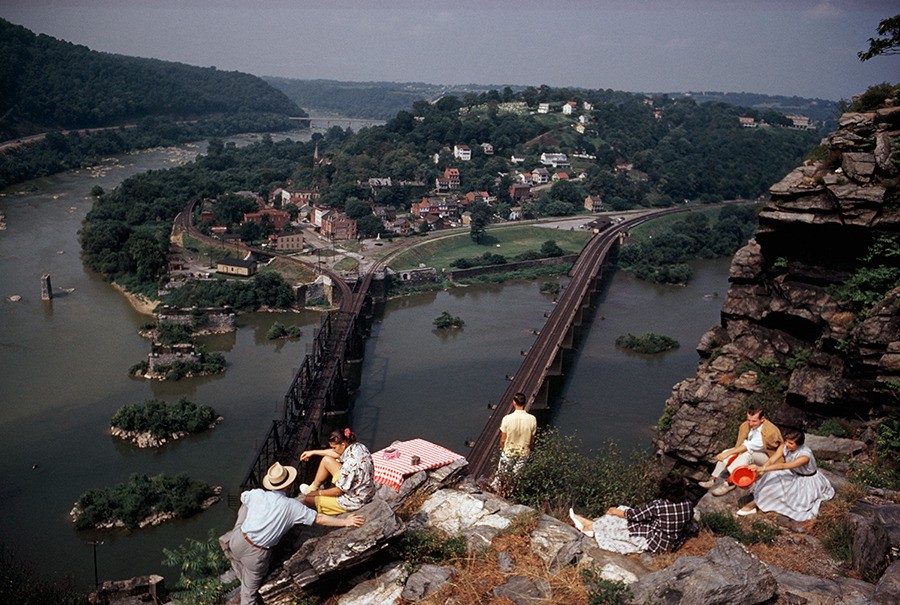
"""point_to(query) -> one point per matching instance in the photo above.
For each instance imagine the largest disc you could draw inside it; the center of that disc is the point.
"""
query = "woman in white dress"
(658, 526)
(794, 488)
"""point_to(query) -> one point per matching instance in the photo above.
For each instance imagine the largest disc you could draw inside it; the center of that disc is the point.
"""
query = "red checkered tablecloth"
(391, 471)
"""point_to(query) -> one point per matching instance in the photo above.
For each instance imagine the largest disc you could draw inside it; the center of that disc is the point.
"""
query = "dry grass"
(792, 551)
(412, 504)
(479, 573)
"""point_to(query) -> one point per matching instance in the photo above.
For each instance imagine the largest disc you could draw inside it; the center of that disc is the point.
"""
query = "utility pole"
(96, 543)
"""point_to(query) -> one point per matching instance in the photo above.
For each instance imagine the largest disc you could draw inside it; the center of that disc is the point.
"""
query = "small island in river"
(143, 501)
(153, 422)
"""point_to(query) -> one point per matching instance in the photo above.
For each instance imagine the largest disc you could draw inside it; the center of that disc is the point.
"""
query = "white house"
(462, 153)
(544, 108)
(557, 160)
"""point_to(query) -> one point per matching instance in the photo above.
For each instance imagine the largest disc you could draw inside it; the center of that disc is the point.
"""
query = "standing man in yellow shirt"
(517, 431)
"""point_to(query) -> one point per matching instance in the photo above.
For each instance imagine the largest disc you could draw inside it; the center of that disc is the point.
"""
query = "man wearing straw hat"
(264, 517)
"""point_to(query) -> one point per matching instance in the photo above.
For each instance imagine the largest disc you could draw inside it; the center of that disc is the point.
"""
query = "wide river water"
(63, 368)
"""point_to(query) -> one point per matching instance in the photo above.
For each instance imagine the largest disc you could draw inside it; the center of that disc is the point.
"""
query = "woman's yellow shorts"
(327, 505)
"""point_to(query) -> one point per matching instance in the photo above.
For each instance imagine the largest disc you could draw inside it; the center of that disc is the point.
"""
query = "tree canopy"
(47, 83)
(889, 41)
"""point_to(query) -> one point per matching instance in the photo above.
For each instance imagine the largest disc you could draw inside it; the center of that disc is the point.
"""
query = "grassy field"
(348, 263)
(292, 272)
(663, 223)
(508, 241)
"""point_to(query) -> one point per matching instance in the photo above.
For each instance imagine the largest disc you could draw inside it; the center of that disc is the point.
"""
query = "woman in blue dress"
(794, 488)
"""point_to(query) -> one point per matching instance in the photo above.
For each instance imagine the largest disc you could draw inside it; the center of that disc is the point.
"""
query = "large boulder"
(477, 516)
(524, 591)
(798, 588)
(888, 590)
(135, 591)
(332, 553)
(384, 589)
(556, 543)
(428, 579)
(728, 574)
(834, 448)
(870, 544)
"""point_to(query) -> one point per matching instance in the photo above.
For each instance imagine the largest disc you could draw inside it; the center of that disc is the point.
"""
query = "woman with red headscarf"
(349, 466)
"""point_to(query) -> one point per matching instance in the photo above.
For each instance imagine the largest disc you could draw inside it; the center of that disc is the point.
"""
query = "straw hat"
(279, 477)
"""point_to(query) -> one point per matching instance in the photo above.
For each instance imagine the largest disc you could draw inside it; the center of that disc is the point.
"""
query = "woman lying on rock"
(349, 466)
(794, 488)
(658, 526)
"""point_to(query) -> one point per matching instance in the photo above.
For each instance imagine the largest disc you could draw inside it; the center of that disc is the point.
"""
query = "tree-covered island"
(143, 501)
(647, 343)
(153, 422)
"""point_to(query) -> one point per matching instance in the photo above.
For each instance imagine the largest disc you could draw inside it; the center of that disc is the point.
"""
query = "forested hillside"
(372, 100)
(48, 84)
(632, 150)
(382, 100)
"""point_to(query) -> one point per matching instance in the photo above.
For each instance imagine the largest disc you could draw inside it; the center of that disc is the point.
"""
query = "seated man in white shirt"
(264, 517)
(757, 440)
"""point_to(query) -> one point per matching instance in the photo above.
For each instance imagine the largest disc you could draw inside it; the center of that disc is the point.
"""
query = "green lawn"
(512, 241)
(664, 223)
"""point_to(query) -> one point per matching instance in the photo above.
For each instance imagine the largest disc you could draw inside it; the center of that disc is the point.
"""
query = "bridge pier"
(541, 399)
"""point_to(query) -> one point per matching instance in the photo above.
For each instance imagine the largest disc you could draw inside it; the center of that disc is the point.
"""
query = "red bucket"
(742, 476)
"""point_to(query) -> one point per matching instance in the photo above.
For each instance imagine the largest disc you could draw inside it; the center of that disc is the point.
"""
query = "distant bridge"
(338, 121)
(545, 360)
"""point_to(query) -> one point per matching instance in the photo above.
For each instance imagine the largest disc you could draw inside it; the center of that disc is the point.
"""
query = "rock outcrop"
(785, 338)
(720, 577)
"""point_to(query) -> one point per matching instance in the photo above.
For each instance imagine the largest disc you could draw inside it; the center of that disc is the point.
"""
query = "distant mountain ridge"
(47, 84)
(382, 100)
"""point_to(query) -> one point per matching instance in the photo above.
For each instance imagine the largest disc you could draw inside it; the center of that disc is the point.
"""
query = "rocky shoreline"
(145, 439)
(153, 519)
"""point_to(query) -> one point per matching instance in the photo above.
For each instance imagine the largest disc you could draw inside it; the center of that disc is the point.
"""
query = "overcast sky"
(790, 47)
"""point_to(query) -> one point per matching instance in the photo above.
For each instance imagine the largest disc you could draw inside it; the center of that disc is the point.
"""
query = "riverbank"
(138, 302)
(144, 439)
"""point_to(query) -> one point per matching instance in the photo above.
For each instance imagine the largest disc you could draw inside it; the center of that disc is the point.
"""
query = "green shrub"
(200, 565)
(665, 421)
(162, 419)
(721, 524)
(887, 439)
(818, 153)
(762, 533)
(549, 287)
(830, 427)
(874, 475)
(838, 542)
(170, 334)
(139, 369)
(429, 546)
(557, 474)
(603, 592)
(279, 330)
(647, 343)
(140, 497)
(798, 360)
(446, 320)
(878, 274)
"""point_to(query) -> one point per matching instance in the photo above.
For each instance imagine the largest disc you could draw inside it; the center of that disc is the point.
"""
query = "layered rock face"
(785, 340)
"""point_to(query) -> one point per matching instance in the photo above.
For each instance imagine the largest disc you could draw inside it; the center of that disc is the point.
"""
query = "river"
(63, 370)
